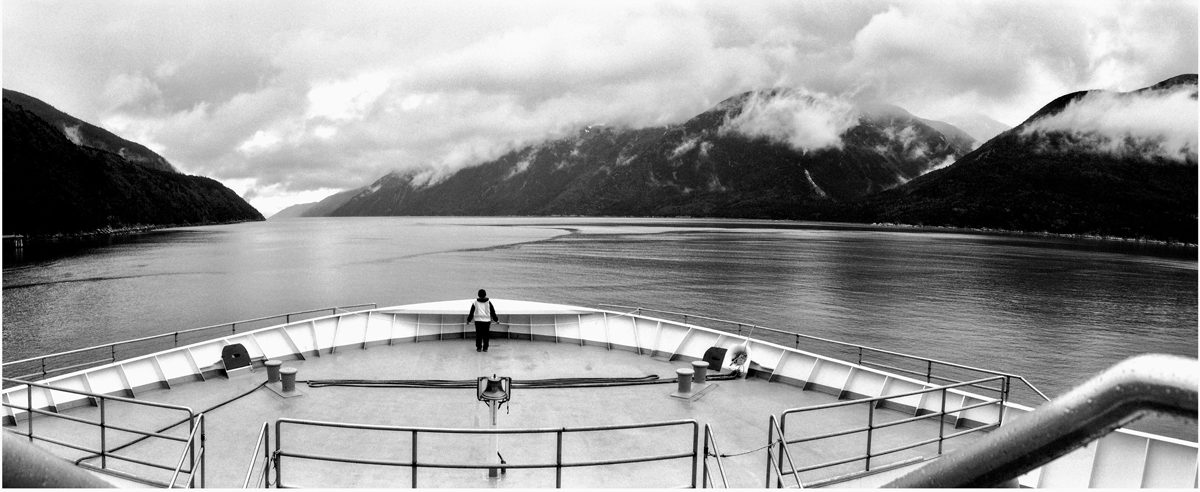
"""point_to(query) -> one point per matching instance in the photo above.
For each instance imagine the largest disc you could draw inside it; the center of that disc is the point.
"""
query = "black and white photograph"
(590, 244)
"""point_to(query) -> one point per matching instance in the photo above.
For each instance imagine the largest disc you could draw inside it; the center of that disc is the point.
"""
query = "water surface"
(1056, 311)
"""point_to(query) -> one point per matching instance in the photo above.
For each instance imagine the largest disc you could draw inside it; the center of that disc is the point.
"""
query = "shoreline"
(107, 232)
(1041, 234)
(20, 249)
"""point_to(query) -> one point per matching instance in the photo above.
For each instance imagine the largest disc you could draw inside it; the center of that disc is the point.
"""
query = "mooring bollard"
(685, 380)
(701, 369)
(273, 367)
(288, 376)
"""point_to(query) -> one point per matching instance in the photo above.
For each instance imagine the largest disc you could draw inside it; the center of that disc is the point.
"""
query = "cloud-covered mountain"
(780, 153)
(62, 175)
(1091, 162)
(980, 127)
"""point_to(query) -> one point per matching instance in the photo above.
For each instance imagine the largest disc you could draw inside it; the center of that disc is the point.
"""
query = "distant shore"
(111, 231)
(1039, 234)
(20, 248)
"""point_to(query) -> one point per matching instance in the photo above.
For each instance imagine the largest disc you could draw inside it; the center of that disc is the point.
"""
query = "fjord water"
(1054, 310)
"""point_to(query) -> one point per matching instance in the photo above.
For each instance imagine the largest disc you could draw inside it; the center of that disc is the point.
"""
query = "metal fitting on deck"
(288, 377)
(685, 380)
(273, 367)
(701, 372)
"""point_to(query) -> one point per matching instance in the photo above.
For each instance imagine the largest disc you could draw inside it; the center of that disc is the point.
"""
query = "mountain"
(56, 182)
(85, 134)
(980, 127)
(1090, 162)
(778, 153)
(317, 209)
(293, 211)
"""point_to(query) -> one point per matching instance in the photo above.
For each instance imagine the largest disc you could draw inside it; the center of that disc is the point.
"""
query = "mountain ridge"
(86, 134)
(1019, 181)
(728, 161)
(1055, 180)
(54, 186)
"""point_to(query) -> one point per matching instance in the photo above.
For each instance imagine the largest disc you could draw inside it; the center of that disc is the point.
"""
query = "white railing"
(71, 359)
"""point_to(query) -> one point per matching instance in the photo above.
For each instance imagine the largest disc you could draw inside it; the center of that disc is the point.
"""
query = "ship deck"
(737, 409)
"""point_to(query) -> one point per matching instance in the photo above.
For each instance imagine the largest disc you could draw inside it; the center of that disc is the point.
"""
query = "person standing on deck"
(483, 314)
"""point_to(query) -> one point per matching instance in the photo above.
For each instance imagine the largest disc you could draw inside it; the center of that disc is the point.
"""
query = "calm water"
(1055, 311)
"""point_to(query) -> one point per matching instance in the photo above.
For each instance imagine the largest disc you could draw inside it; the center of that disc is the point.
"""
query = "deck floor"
(738, 411)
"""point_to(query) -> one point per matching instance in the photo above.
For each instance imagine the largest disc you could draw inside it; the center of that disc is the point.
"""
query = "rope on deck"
(760, 448)
(528, 383)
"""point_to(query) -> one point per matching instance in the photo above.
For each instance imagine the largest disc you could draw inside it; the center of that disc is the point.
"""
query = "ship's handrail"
(414, 464)
(929, 362)
(711, 449)
(190, 456)
(872, 426)
(264, 439)
(112, 347)
(1137, 386)
(775, 463)
(190, 444)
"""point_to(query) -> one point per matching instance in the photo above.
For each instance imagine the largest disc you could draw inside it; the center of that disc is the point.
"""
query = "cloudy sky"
(289, 101)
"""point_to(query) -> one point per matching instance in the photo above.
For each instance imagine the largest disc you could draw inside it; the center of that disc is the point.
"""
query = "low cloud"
(1146, 124)
(804, 120)
(290, 97)
(72, 134)
(908, 140)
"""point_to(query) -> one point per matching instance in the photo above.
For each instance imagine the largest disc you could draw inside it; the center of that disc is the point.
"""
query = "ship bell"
(497, 389)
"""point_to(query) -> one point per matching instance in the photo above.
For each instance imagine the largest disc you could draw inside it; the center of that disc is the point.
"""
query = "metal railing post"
(233, 327)
(192, 446)
(414, 459)
(29, 408)
(695, 455)
(1004, 397)
(113, 347)
(770, 441)
(266, 477)
(103, 438)
(558, 461)
(287, 318)
(860, 352)
(870, 431)
(942, 423)
(278, 458)
(929, 371)
(203, 455)
(706, 475)
(43, 367)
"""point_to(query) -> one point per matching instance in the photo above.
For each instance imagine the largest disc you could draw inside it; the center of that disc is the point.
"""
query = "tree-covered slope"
(53, 185)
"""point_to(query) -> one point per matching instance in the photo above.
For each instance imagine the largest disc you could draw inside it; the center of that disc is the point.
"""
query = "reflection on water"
(1054, 310)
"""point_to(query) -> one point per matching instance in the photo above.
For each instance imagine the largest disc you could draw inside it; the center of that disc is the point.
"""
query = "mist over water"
(1056, 311)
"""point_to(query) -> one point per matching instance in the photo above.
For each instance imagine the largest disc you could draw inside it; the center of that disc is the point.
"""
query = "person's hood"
(482, 299)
